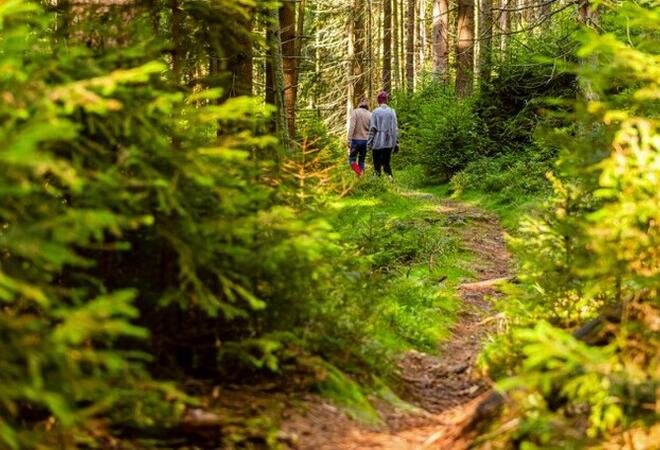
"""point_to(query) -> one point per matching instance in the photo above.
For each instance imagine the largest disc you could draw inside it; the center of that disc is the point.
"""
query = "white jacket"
(383, 130)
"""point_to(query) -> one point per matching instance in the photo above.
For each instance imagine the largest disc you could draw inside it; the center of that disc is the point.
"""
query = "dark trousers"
(358, 152)
(382, 157)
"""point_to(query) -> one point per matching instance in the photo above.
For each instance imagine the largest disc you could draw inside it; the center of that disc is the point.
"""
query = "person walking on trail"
(358, 133)
(383, 135)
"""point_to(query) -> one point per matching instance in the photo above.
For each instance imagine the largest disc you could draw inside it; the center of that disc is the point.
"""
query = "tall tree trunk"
(396, 62)
(465, 47)
(240, 63)
(505, 23)
(588, 16)
(287, 15)
(277, 65)
(177, 48)
(402, 41)
(63, 19)
(300, 33)
(421, 35)
(441, 39)
(213, 81)
(154, 6)
(350, 53)
(377, 72)
(270, 91)
(485, 40)
(544, 12)
(387, 45)
(360, 62)
(317, 59)
(410, 47)
(370, 49)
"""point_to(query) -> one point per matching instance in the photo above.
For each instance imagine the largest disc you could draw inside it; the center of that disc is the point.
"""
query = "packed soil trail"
(446, 388)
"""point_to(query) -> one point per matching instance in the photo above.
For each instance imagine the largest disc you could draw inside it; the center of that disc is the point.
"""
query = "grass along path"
(445, 388)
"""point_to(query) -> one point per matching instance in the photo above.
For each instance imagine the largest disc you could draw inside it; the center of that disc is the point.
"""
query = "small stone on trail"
(459, 368)
(200, 418)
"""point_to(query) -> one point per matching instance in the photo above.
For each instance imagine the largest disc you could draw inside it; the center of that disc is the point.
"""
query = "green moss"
(347, 394)
(383, 391)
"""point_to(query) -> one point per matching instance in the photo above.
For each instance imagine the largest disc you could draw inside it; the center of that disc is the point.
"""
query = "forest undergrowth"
(182, 267)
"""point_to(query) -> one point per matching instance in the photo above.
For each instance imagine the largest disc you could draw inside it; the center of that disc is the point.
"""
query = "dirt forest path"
(446, 388)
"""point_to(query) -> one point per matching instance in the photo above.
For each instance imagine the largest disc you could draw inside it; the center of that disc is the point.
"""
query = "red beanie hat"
(382, 97)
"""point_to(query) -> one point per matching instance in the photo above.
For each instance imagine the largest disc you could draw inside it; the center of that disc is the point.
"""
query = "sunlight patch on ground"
(363, 202)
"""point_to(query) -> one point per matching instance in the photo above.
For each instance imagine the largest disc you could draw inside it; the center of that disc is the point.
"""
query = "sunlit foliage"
(593, 254)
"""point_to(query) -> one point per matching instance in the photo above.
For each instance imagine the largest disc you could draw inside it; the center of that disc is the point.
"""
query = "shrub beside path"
(446, 388)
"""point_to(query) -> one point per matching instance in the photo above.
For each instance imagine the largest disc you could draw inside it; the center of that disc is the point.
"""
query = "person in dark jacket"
(383, 135)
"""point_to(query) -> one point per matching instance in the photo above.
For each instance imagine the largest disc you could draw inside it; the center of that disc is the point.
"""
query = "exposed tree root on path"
(446, 387)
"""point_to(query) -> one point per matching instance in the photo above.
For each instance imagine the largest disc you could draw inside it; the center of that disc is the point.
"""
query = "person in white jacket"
(383, 135)
(358, 133)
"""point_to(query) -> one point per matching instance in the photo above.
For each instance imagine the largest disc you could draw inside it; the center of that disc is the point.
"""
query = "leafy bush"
(514, 102)
(593, 255)
(439, 131)
(136, 233)
(447, 135)
(509, 176)
(60, 325)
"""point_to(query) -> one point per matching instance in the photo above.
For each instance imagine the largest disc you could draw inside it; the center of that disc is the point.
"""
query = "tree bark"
(350, 53)
(465, 47)
(485, 41)
(505, 23)
(360, 62)
(370, 49)
(396, 61)
(63, 19)
(387, 45)
(277, 65)
(441, 39)
(421, 35)
(240, 63)
(544, 12)
(588, 16)
(287, 15)
(378, 47)
(410, 47)
(300, 33)
(317, 60)
(270, 91)
(177, 49)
